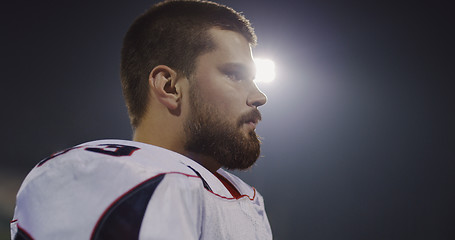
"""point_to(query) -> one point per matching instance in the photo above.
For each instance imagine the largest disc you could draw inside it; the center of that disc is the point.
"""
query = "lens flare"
(265, 70)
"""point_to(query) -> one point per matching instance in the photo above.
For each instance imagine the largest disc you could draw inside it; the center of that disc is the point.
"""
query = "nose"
(256, 97)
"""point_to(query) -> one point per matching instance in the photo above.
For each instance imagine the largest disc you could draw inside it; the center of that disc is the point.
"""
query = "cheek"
(225, 96)
(229, 104)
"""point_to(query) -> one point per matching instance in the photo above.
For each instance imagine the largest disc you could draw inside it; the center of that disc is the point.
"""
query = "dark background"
(358, 136)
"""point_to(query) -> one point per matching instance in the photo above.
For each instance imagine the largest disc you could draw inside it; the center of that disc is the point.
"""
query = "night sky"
(358, 131)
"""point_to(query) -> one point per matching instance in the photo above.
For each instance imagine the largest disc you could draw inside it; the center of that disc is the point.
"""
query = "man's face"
(223, 103)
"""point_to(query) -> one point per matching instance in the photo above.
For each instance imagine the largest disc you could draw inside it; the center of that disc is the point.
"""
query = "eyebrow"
(249, 71)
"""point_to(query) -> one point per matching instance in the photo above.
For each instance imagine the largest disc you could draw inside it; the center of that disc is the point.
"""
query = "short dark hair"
(171, 33)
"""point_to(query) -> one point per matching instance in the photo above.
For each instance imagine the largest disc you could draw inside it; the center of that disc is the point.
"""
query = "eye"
(236, 72)
(233, 75)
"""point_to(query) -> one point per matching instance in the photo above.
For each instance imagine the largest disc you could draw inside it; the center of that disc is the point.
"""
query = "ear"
(162, 80)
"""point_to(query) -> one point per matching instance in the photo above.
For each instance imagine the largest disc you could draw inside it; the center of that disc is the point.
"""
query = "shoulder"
(99, 178)
(106, 167)
(106, 164)
(111, 155)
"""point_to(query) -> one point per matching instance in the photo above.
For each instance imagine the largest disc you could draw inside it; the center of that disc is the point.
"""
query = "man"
(187, 76)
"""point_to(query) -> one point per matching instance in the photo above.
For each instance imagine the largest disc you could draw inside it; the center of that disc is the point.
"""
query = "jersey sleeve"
(175, 209)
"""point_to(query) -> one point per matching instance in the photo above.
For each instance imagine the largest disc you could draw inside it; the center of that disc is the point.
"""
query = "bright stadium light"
(265, 70)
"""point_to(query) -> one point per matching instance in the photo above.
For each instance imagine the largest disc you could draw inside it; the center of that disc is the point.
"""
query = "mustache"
(253, 116)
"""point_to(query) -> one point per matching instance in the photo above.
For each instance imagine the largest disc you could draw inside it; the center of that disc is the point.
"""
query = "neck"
(166, 137)
(173, 141)
(208, 162)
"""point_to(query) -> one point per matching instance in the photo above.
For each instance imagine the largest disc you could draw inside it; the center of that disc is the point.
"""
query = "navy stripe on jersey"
(206, 185)
(123, 219)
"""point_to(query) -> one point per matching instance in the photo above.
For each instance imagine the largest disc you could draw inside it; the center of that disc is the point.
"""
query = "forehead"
(230, 42)
(230, 48)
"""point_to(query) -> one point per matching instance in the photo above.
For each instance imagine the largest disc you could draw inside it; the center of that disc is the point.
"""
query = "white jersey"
(117, 189)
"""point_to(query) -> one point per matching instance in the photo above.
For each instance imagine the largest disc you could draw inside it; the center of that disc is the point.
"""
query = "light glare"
(265, 70)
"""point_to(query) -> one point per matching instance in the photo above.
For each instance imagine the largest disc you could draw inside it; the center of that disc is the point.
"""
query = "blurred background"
(358, 131)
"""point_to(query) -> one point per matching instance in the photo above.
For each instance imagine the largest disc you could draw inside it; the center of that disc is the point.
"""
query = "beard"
(209, 134)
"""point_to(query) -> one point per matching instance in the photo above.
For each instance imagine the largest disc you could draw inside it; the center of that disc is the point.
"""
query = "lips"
(253, 122)
(252, 118)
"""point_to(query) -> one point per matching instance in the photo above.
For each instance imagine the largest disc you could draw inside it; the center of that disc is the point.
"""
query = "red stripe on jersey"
(229, 186)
